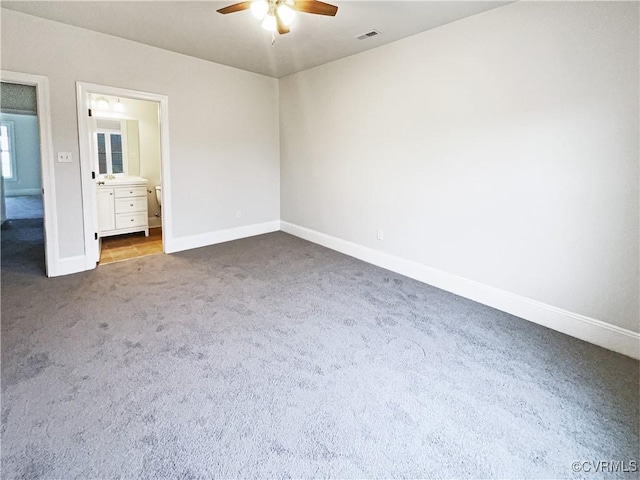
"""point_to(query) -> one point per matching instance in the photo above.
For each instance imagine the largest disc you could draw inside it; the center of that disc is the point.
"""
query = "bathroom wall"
(131, 138)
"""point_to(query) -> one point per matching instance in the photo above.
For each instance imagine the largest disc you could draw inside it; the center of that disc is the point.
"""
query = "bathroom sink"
(122, 180)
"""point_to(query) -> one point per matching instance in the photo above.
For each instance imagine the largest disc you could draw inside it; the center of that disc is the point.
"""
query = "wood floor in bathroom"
(132, 245)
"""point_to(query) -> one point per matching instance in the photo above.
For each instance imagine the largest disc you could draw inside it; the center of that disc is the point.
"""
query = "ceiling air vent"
(372, 33)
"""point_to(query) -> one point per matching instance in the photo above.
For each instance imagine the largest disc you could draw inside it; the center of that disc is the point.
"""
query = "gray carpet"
(272, 357)
(23, 246)
(26, 206)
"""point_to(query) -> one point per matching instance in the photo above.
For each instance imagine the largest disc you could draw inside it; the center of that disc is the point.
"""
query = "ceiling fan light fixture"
(277, 15)
(269, 23)
(259, 8)
(286, 14)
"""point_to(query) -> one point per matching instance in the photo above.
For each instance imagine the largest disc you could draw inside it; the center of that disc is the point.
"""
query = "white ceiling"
(237, 40)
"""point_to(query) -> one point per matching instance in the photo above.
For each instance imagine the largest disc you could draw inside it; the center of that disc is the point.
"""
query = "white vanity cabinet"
(122, 208)
(106, 210)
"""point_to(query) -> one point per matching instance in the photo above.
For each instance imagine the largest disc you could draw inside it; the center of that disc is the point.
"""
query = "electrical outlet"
(65, 157)
(380, 235)
(239, 214)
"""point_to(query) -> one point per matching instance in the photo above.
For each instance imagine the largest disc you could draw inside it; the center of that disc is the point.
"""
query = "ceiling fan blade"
(236, 7)
(282, 28)
(315, 6)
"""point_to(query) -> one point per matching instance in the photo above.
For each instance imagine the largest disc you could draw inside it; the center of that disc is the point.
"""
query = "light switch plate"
(65, 157)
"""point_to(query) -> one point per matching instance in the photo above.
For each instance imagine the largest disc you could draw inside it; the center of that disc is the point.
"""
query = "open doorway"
(124, 147)
(23, 220)
(127, 159)
(27, 200)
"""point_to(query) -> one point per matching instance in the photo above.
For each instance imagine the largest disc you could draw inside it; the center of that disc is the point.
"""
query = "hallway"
(23, 235)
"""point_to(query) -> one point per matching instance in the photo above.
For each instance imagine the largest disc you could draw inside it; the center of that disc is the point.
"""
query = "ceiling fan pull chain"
(273, 39)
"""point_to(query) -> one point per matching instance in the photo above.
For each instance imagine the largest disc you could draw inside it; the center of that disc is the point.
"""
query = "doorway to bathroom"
(124, 150)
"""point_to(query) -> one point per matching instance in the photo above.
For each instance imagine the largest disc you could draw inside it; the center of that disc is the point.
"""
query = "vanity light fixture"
(106, 105)
(118, 107)
(102, 104)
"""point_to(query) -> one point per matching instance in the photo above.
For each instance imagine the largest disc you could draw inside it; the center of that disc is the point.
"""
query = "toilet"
(159, 195)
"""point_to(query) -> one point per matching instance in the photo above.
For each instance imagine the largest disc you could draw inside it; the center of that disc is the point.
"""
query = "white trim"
(220, 236)
(52, 260)
(22, 192)
(585, 328)
(69, 265)
(86, 166)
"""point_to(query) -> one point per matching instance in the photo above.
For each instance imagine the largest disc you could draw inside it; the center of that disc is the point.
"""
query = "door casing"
(89, 199)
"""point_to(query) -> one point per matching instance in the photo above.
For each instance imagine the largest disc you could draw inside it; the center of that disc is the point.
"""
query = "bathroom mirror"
(118, 147)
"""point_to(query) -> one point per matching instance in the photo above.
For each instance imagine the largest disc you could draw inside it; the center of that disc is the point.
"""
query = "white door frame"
(49, 206)
(83, 90)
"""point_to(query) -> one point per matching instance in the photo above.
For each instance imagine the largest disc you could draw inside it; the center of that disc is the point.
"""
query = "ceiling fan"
(277, 15)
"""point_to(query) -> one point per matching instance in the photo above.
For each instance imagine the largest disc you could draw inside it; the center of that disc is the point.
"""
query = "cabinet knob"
(131, 205)
(132, 219)
(110, 193)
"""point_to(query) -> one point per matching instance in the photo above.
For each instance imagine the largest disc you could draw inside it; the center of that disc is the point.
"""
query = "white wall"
(27, 151)
(502, 148)
(212, 109)
(149, 135)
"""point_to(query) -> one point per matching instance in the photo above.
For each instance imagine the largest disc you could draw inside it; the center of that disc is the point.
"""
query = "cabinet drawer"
(127, 220)
(133, 204)
(123, 192)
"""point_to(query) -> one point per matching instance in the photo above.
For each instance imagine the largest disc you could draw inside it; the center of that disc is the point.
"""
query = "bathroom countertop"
(121, 180)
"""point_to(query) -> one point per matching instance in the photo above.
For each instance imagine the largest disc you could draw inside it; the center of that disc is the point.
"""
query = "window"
(7, 151)
(110, 160)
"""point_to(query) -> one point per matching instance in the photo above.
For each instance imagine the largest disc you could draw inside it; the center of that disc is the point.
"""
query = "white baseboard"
(585, 328)
(22, 192)
(69, 265)
(211, 238)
